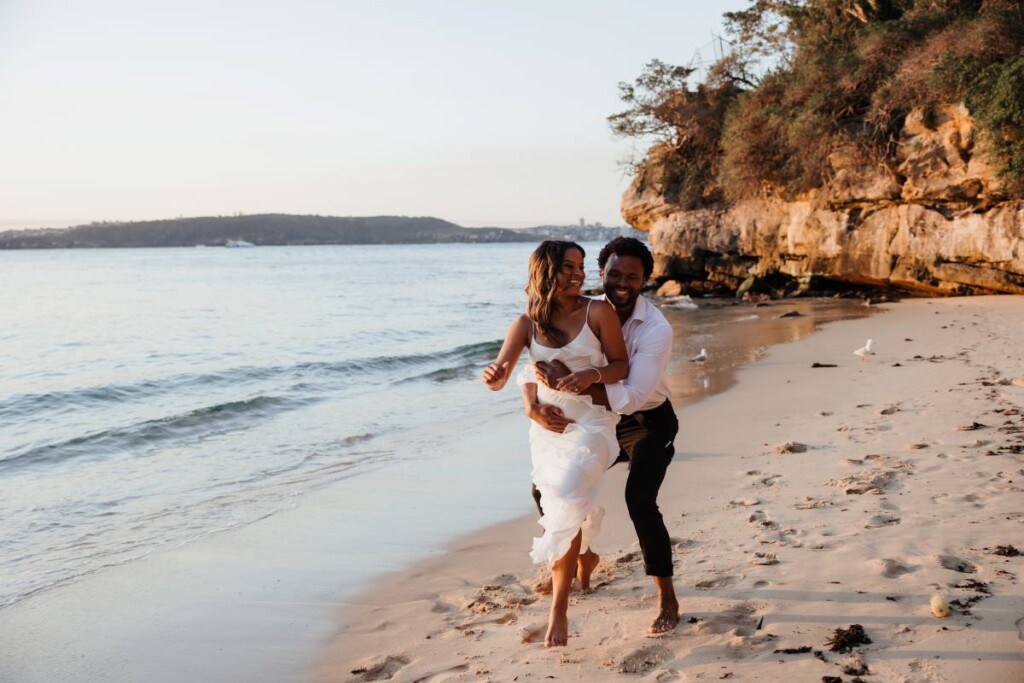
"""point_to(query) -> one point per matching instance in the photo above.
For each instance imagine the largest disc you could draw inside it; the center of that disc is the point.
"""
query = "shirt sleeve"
(646, 368)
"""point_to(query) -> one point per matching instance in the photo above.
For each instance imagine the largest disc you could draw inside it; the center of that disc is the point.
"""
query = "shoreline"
(876, 515)
(259, 602)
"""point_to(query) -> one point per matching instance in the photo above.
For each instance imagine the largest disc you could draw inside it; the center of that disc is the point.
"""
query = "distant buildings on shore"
(584, 232)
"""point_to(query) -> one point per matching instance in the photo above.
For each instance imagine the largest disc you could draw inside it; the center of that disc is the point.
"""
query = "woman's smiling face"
(570, 272)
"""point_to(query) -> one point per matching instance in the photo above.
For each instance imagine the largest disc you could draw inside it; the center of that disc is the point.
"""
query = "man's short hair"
(627, 246)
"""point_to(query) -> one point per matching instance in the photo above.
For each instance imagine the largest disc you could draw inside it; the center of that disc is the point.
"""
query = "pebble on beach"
(940, 606)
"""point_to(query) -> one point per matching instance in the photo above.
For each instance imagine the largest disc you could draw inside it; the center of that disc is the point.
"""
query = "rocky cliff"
(933, 220)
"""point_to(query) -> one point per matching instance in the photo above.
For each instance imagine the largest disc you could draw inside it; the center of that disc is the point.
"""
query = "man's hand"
(549, 417)
(550, 373)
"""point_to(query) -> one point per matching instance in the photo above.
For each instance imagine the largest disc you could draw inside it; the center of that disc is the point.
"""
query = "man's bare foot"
(667, 619)
(585, 567)
(558, 629)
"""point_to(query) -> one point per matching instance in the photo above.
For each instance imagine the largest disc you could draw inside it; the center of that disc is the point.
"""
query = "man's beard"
(614, 299)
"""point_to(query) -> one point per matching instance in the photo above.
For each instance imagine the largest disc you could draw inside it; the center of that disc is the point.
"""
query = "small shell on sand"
(940, 607)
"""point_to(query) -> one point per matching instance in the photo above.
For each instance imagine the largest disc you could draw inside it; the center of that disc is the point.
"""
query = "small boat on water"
(233, 244)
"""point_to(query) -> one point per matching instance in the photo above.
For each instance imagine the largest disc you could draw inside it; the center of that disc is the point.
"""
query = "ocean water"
(152, 397)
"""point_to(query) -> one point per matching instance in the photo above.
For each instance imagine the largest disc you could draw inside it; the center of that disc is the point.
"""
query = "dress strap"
(586, 318)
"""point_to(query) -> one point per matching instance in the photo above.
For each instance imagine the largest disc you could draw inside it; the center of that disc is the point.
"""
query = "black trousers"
(646, 441)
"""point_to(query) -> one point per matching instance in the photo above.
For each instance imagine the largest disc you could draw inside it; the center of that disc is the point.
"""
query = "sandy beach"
(801, 501)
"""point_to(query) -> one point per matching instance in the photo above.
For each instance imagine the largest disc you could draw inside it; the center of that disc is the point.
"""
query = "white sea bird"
(700, 357)
(864, 351)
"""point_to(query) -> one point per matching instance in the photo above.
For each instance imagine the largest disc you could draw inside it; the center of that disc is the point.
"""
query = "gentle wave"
(217, 418)
(260, 496)
(28, 404)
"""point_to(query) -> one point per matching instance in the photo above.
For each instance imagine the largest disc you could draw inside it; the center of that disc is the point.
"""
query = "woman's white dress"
(568, 468)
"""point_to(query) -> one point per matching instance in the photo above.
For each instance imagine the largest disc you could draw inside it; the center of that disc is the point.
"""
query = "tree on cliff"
(808, 77)
(685, 126)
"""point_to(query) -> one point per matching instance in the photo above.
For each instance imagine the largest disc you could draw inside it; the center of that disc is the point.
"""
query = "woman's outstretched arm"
(496, 374)
(606, 327)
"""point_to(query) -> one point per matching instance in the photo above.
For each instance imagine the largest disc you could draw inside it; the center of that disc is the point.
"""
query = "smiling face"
(569, 278)
(623, 279)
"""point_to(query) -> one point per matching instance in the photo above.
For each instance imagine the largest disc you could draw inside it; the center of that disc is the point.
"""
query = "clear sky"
(479, 112)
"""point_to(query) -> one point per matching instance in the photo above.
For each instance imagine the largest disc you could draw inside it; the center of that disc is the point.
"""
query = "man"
(648, 426)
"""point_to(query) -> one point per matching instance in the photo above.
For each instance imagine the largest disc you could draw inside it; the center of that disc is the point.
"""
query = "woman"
(585, 334)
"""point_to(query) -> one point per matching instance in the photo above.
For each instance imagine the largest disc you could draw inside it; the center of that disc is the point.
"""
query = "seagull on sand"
(700, 357)
(864, 351)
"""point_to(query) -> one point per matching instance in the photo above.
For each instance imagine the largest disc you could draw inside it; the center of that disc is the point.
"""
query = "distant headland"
(287, 229)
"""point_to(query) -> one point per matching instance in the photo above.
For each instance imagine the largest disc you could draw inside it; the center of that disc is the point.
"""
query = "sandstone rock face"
(937, 223)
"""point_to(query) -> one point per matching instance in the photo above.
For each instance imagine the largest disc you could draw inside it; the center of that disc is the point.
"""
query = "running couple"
(596, 391)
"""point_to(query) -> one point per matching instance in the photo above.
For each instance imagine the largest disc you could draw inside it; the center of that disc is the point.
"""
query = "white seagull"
(700, 357)
(864, 351)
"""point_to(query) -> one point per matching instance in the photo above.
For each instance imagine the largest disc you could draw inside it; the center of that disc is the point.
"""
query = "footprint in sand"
(683, 544)
(892, 569)
(627, 558)
(760, 520)
(771, 480)
(957, 564)
(812, 503)
(506, 618)
(643, 660)
(740, 620)
(763, 559)
(973, 499)
(445, 675)
(533, 633)
(878, 521)
(442, 607)
(715, 582)
(503, 593)
(380, 668)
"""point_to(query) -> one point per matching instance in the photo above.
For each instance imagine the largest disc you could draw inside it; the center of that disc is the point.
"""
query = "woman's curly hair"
(545, 261)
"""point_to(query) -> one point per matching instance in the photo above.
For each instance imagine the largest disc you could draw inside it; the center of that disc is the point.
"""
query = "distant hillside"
(282, 229)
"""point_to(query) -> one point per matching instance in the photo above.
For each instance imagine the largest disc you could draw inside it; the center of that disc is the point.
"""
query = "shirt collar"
(640, 310)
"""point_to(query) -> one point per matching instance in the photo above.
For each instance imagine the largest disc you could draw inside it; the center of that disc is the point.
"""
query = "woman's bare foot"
(558, 629)
(585, 568)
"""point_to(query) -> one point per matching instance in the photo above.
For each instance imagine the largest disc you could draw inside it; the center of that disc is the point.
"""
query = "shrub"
(996, 95)
(836, 73)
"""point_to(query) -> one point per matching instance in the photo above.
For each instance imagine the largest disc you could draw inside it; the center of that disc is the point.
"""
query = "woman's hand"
(495, 375)
(579, 381)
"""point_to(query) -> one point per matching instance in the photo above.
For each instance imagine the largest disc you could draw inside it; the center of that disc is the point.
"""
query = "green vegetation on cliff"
(809, 77)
